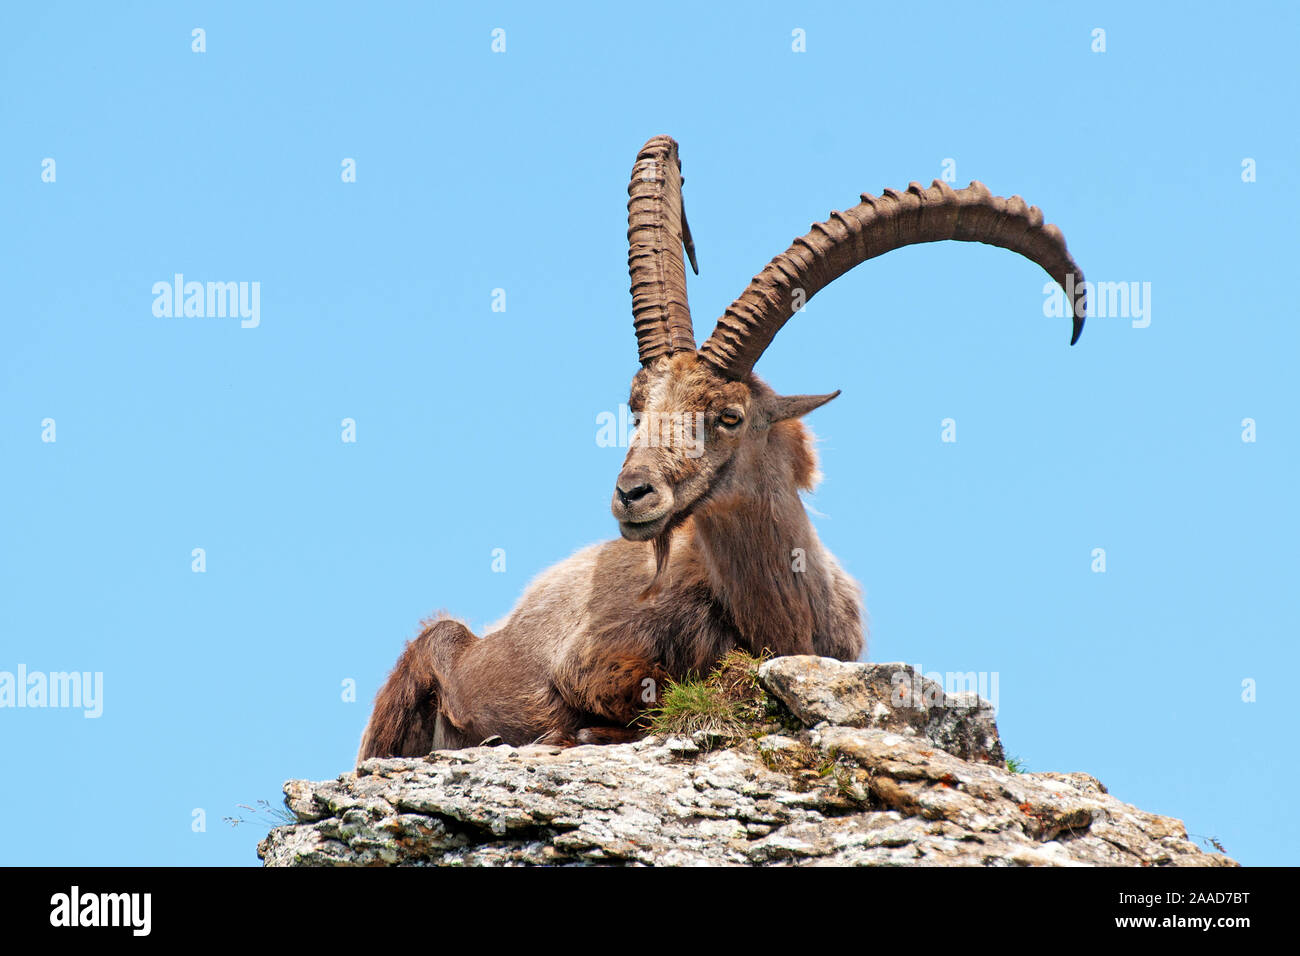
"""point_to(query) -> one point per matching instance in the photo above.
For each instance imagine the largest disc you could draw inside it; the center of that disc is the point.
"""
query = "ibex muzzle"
(640, 508)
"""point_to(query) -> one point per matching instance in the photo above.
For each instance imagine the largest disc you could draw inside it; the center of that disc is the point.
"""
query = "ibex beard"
(716, 549)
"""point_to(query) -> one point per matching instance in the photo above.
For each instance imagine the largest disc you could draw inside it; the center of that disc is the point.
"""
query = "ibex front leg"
(614, 687)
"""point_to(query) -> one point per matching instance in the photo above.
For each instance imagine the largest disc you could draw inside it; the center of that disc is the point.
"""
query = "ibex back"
(717, 551)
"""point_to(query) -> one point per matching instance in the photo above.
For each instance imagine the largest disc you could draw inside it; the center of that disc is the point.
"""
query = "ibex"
(716, 551)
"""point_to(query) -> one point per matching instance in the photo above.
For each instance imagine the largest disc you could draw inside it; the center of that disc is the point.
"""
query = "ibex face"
(699, 435)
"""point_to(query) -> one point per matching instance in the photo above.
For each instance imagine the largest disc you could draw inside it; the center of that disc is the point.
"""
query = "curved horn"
(656, 233)
(873, 227)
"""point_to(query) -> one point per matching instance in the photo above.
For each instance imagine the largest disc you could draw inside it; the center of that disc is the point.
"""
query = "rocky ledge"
(860, 764)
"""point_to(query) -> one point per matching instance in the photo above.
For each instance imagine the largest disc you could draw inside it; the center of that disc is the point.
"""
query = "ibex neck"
(765, 567)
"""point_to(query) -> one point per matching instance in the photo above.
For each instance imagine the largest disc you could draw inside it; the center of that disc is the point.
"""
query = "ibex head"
(698, 435)
(706, 421)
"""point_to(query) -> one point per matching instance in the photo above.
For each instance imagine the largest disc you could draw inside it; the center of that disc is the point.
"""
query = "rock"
(887, 697)
(867, 779)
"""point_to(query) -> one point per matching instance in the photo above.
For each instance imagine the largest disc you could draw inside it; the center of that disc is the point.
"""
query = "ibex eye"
(731, 418)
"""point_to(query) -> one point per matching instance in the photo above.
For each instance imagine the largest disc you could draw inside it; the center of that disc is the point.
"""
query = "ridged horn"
(875, 226)
(656, 234)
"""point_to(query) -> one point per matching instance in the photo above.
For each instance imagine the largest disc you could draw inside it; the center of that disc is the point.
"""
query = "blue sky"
(478, 171)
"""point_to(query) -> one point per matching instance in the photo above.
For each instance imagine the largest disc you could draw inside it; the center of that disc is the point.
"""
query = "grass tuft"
(727, 703)
(264, 814)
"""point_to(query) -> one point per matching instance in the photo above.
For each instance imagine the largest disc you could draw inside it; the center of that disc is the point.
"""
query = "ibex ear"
(796, 406)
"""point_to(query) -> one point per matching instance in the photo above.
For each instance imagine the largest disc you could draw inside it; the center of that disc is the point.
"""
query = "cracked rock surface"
(866, 774)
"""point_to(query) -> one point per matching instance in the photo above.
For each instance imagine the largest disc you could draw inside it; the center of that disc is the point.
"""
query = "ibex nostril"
(634, 494)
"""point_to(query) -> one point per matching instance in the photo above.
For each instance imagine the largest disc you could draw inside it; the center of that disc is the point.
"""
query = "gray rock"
(869, 780)
(887, 697)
